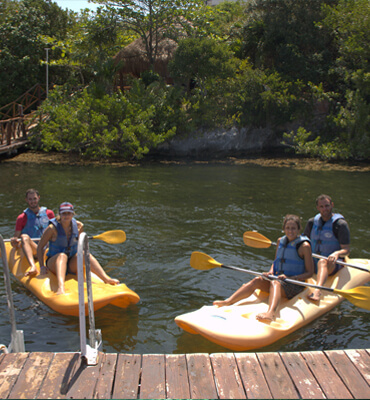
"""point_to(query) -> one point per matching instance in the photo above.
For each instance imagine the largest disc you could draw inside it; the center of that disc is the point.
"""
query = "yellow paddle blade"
(359, 296)
(112, 237)
(202, 261)
(255, 239)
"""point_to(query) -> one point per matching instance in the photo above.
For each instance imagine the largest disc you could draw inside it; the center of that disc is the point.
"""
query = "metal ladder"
(17, 340)
(89, 352)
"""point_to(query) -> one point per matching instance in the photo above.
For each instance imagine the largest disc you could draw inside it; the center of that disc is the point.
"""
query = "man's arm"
(19, 225)
(308, 228)
(343, 235)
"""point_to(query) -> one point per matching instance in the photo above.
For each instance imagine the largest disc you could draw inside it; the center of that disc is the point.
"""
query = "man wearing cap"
(62, 235)
(31, 224)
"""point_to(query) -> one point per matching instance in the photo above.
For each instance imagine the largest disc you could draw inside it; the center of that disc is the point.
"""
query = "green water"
(168, 211)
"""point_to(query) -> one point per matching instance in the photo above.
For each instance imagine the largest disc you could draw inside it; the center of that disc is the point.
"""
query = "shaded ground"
(287, 162)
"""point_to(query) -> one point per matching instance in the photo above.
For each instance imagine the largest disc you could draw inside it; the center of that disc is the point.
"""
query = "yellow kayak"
(236, 327)
(45, 286)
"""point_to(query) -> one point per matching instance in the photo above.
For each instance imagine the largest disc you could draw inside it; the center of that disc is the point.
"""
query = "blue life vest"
(61, 244)
(288, 261)
(36, 223)
(323, 239)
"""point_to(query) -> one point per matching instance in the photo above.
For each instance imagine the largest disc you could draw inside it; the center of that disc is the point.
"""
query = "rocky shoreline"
(263, 161)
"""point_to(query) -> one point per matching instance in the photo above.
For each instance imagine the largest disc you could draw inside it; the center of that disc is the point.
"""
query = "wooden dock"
(13, 148)
(334, 374)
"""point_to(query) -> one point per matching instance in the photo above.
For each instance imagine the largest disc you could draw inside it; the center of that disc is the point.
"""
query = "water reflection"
(167, 212)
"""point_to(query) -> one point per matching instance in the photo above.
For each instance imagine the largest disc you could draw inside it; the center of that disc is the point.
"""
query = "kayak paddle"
(111, 237)
(257, 240)
(359, 296)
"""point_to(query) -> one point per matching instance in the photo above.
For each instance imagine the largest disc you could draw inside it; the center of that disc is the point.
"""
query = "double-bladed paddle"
(111, 237)
(359, 296)
(257, 240)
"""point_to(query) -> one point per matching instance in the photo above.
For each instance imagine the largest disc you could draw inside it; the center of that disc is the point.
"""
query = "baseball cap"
(66, 207)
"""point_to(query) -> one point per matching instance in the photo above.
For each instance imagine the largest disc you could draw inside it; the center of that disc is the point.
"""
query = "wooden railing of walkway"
(14, 117)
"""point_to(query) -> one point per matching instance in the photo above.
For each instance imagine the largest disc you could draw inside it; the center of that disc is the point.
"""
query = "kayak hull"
(45, 286)
(236, 327)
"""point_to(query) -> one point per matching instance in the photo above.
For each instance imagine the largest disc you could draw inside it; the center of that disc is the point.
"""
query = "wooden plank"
(177, 384)
(253, 379)
(31, 376)
(202, 384)
(361, 360)
(324, 373)
(277, 377)
(10, 368)
(83, 381)
(104, 386)
(349, 374)
(302, 377)
(228, 381)
(126, 384)
(153, 377)
(56, 382)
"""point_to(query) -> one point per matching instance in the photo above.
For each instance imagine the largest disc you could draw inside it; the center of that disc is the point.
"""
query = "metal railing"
(89, 352)
(17, 340)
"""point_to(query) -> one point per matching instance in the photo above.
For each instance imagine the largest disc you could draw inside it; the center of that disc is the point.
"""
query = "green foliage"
(246, 64)
(114, 125)
(301, 143)
(202, 60)
(284, 36)
(21, 45)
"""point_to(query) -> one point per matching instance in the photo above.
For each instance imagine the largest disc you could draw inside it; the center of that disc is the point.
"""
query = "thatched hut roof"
(135, 60)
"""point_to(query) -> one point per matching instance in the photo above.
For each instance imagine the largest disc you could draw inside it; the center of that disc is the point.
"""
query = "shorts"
(291, 289)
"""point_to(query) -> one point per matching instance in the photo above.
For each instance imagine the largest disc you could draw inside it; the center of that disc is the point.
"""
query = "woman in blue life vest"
(293, 260)
(62, 236)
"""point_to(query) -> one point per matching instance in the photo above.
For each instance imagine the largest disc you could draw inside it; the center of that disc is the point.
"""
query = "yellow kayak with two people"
(45, 286)
(236, 328)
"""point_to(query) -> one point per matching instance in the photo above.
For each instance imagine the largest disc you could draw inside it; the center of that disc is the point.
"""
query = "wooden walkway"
(13, 148)
(334, 374)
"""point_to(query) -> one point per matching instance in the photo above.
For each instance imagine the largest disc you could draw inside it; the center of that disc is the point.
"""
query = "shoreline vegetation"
(241, 78)
(272, 161)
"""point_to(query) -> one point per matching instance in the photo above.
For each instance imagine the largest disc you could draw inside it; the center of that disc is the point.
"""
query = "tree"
(286, 36)
(21, 44)
(202, 60)
(152, 20)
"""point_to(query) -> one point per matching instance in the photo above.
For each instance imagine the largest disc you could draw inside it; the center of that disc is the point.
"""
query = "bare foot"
(265, 317)
(221, 303)
(315, 295)
(112, 281)
(31, 272)
(61, 291)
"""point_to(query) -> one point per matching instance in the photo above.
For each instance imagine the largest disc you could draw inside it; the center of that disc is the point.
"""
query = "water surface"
(168, 211)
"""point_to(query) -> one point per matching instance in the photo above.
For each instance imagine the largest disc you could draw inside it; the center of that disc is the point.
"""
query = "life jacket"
(323, 239)
(36, 223)
(61, 244)
(288, 261)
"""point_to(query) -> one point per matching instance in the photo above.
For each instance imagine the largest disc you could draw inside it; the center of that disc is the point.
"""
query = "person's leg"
(324, 269)
(29, 249)
(99, 271)
(95, 267)
(276, 293)
(245, 291)
(58, 265)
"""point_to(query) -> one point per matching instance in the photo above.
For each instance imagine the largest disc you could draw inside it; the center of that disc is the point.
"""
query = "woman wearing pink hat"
(62, 236)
